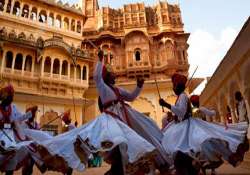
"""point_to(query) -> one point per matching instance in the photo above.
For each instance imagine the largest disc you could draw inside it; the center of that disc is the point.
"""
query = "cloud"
(207, 50)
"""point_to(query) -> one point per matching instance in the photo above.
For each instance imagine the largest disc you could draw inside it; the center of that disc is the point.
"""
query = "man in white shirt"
(241, 108)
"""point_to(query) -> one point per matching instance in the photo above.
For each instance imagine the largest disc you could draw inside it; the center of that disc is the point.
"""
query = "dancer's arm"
(18, 116)
(208, 112)
(131, 96)
(180, 108)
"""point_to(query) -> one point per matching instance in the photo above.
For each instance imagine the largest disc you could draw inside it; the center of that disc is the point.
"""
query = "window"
(137, 55)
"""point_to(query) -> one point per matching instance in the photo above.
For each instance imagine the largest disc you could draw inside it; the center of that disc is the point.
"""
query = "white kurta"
(8, 137)
(105, 128)
(189, 134)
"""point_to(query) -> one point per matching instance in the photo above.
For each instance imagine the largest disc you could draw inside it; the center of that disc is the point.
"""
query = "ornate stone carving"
(22, 36)
(3, 32)
(12, 35)
(40, 42)
(31, 38)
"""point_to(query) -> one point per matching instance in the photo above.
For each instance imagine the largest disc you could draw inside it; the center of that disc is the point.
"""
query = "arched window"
(65, 68)
(25, 12)
(43, 16)
(33, 15)
(8, 7)
(73, 24)
(16, 8)
(56, 66)
(51, 19)
(72, 71)
(84, 73)
(18, 62)
(2, 2)
(79, 27)
(137, 55)
(47, 64)
(28, 63)
(58, 21)
(9, 59)
(78, 72)
(66, 23)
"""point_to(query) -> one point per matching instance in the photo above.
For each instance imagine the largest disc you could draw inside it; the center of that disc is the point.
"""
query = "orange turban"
(6, 91)
(179, 79)
(195, 99)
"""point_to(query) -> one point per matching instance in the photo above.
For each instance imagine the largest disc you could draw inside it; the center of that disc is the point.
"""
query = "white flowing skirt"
(104, 128)
(187, 136)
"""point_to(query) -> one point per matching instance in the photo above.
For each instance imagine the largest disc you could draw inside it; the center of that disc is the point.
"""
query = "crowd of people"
(129, 141)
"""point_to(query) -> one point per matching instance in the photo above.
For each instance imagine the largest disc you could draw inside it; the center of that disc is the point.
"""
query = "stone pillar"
(12, 7)
(60, 69)
(246, 96)
(62, 22)
(42, 69)
(70, 24)
(37, 15)
(74, 74)
(51, 67)
(69, 71)
(75, 26)
(30, 12)
(3, 61)
(221, 113)
(81, 73)
(33, 67)
(5, 6)
(21, 9)
(23, 64)
(232, 108)
(13, 62)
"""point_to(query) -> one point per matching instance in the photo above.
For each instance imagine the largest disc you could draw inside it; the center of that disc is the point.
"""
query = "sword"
(6, 135)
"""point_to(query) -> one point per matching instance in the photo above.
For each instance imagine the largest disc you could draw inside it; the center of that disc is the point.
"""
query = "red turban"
(195, 99)
(6, 91)
(179, 79)
(66, 116)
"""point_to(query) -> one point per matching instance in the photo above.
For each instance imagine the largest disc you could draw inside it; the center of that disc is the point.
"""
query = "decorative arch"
(18, 62)
(51, 19)
(65, 68)
(33, 15)
(58, 22)
(9, 59)
(25, 12)
(137, 32)
(78, 27)
(137, 54)
(28, 63)
(47, 64)
(2, 3)
(78, 72)
(16, 8)
(145, 106)
(66, 23)
(42, 16)
(84, 73)
(73, 24)
(56, 66)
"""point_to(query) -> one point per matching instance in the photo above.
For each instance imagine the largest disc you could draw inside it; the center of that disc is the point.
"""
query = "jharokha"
(48, 51)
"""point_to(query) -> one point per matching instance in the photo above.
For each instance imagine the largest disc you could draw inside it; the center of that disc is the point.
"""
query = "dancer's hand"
(100, 54)
(140, 82)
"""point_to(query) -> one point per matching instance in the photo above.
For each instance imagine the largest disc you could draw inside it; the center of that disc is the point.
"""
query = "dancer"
(193, 132)
(108, 134)
(12, 153)
(67, 121)
(241, 109)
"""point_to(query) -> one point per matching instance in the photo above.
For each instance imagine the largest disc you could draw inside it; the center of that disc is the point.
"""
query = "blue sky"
(213, 25)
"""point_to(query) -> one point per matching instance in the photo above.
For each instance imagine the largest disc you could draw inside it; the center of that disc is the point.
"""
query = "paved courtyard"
(243, 169)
